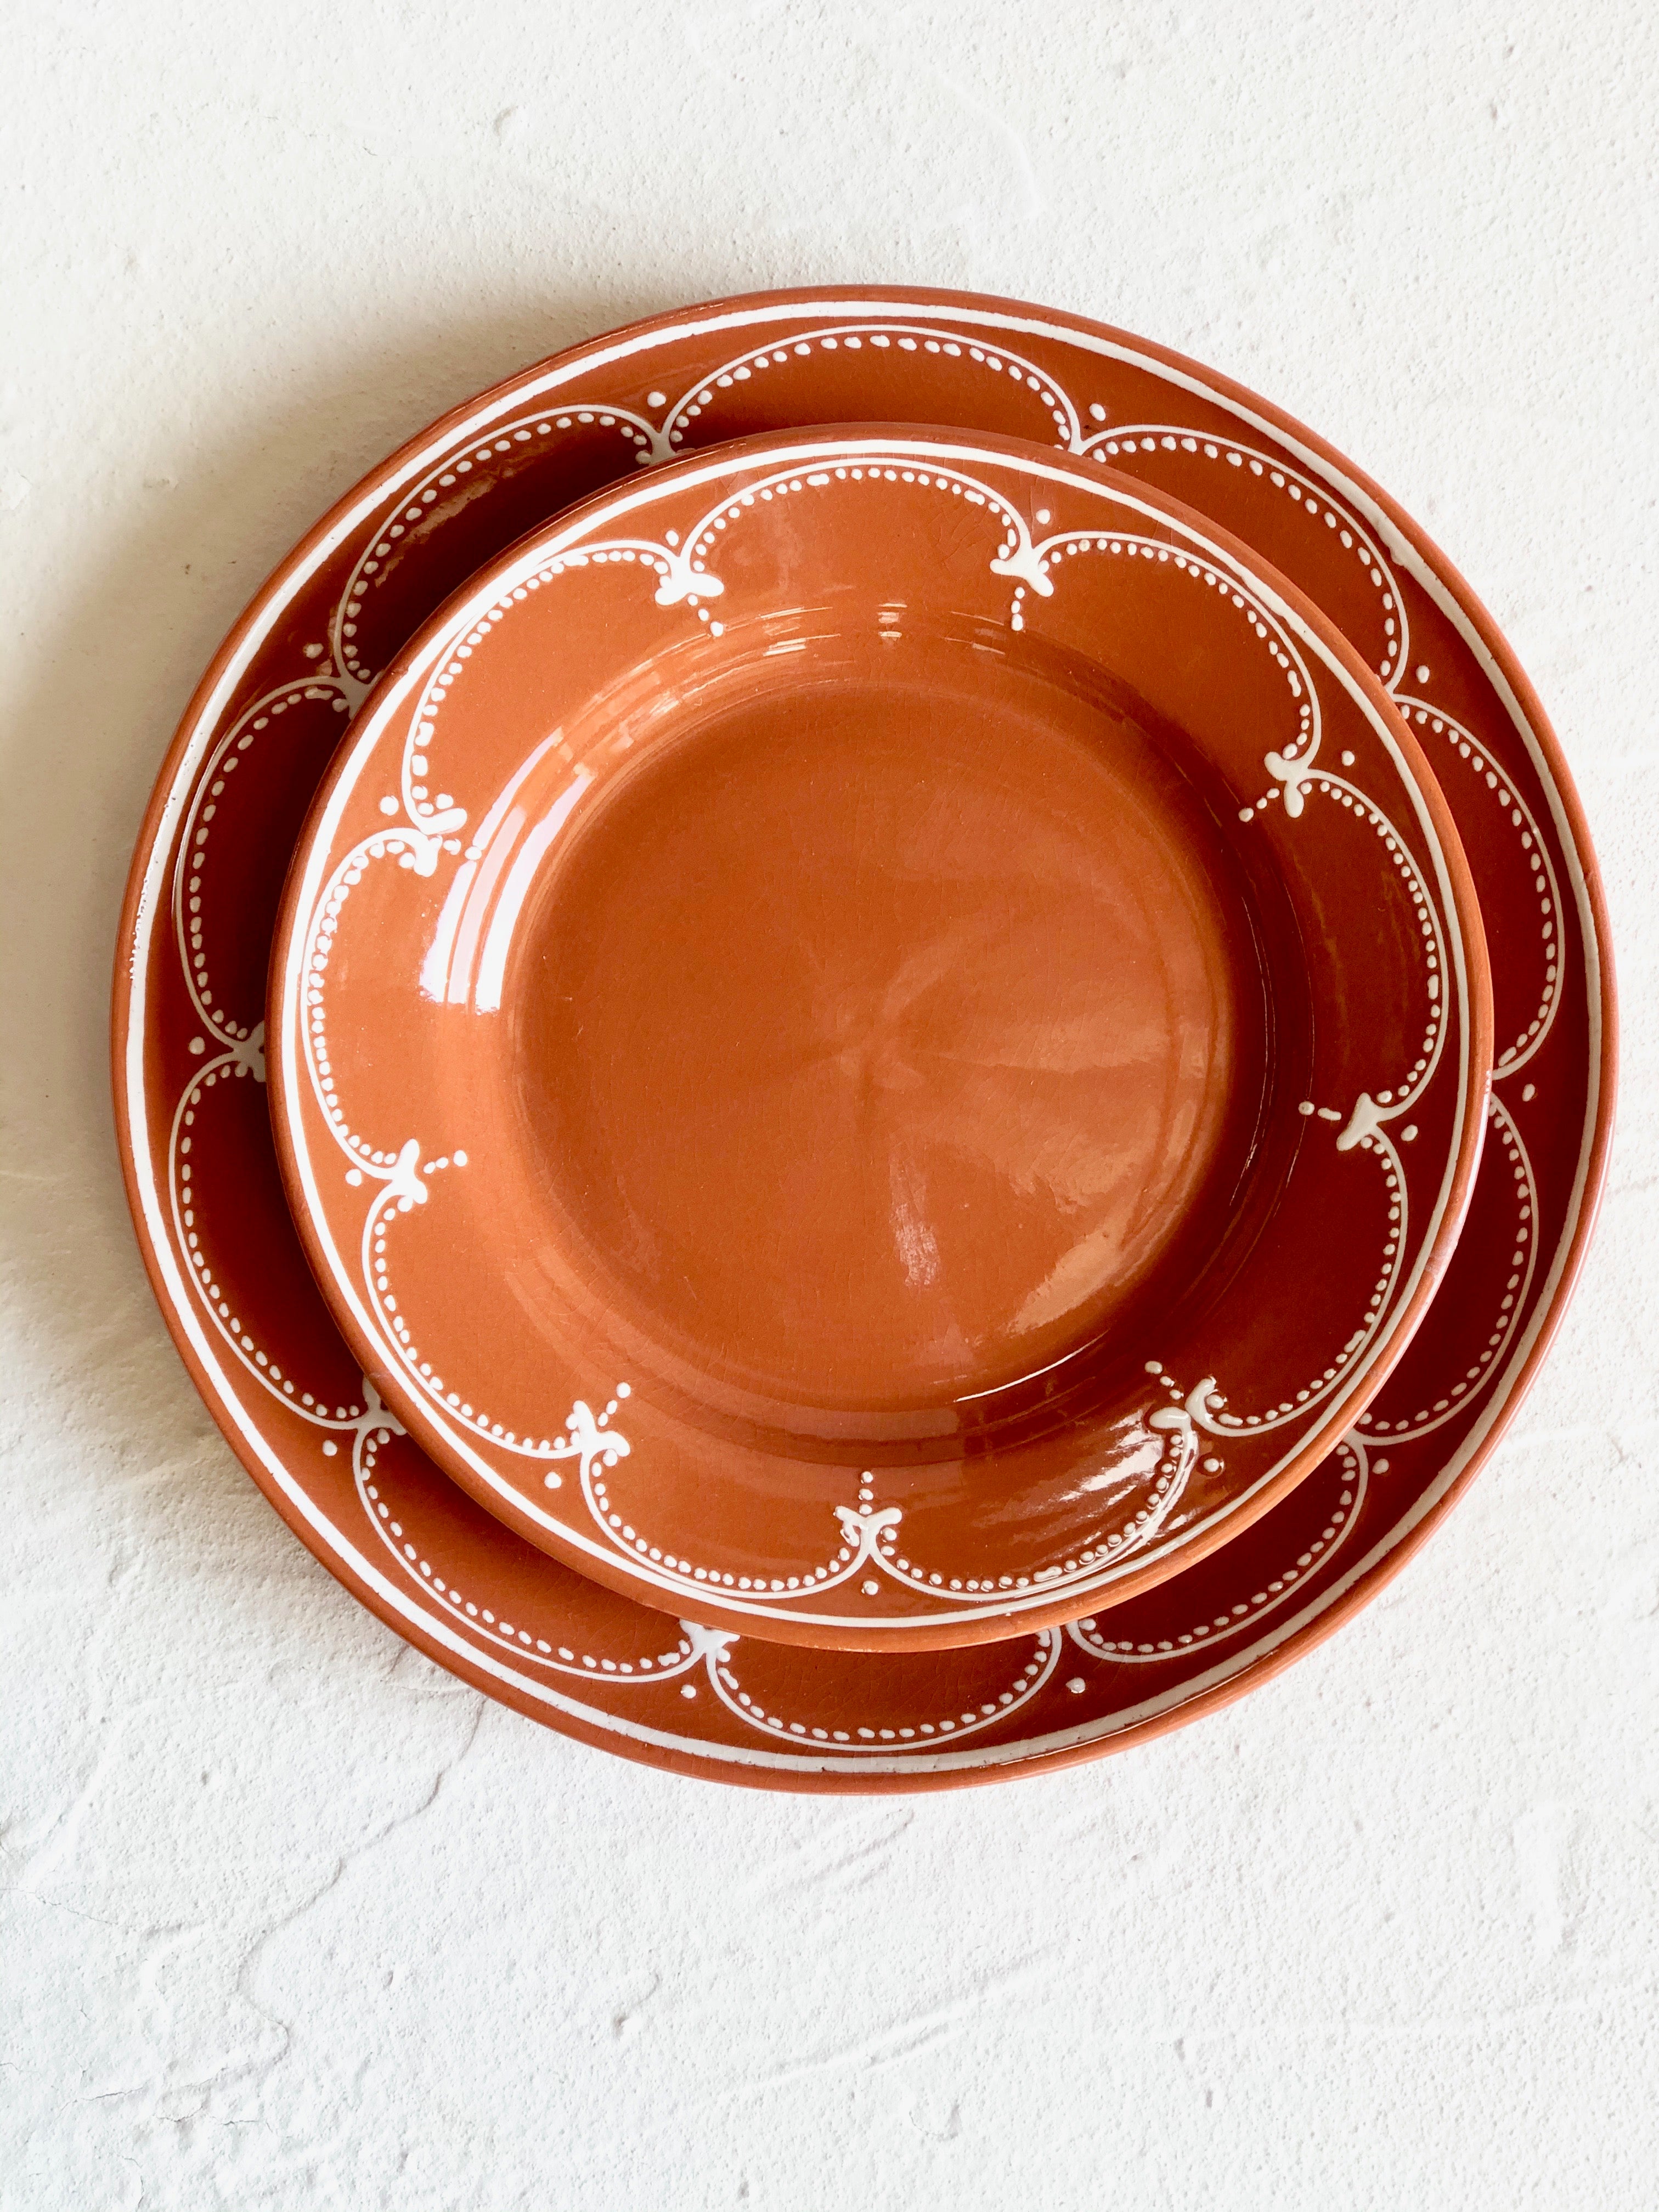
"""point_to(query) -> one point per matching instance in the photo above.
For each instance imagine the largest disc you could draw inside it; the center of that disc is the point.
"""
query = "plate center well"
(884, 1038)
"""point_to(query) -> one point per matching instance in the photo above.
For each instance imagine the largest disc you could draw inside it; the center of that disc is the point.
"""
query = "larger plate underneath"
(189, 1039)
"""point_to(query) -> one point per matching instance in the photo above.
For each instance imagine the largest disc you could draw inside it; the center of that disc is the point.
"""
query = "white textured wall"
(289, 1919)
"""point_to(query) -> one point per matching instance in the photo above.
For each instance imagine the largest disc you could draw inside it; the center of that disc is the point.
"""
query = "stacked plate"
(862, 1040)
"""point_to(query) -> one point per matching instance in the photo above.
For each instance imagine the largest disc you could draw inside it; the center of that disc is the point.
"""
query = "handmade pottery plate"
(226, 1261)
(878, 1038)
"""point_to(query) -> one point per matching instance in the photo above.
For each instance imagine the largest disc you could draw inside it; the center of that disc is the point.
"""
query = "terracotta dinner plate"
(226, 1260)
(878, 1038)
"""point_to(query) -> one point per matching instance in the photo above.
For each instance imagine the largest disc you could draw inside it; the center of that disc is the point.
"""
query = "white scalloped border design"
(212, 1332)
(420, 829)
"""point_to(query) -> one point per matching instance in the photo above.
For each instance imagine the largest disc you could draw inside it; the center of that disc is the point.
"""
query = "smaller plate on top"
(879, 1037)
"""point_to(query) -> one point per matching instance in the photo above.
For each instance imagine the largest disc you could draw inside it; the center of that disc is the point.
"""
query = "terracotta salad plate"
(226, 1260)
(878, 1038)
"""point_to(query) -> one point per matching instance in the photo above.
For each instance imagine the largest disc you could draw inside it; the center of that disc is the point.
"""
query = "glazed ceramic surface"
(878, 1038)
(226, 1260)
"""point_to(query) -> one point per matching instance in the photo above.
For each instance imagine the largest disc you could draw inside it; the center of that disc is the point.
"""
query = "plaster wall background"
(286, 1918)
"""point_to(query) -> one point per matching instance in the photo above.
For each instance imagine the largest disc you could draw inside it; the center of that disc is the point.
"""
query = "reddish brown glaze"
(225, 1260)
(893, 1034)
(880, 1039)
